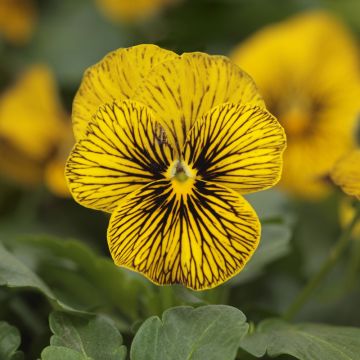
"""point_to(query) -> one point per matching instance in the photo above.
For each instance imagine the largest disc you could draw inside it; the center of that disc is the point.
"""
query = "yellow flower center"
(180, 171)
(296, 121)
(182, 177)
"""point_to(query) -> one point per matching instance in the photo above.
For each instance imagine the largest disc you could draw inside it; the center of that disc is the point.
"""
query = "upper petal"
(346, 173)
(123, 149)
(238, 146)
(197, 234)
(182, 90)
(115, 77)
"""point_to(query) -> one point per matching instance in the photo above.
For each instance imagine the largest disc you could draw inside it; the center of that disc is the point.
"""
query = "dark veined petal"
(114, 78)
(123, 150)
(193, 233)
(181, 90)
(237, 146)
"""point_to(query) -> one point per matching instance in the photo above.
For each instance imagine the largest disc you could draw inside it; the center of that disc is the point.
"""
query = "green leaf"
(210, 332)
(80, 278)
(61, 353)
(9, 342)
(83, 337)
(275, 243)
(303, 341)
(271, 205)
(15, 274)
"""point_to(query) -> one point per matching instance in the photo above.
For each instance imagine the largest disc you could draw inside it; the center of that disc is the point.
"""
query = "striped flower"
(168, 144)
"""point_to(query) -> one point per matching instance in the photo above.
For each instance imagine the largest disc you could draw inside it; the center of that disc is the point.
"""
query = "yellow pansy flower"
(307, 69)
(17, 20)
(130, 10)
(32, 127)
(168, 144)
(346, 173)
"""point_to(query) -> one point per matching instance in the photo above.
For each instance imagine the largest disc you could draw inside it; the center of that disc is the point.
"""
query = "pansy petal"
(114, 78)
(123, 150)
(197, 234)
(346, 173)
(237, 146)
(182, 90)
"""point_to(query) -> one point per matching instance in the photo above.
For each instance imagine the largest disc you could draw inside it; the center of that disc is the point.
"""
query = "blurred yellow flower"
(307, 69)
(54, 175)
(167, 144)
(32, 127)
(131, 10)
(17, 20)
(346, 173)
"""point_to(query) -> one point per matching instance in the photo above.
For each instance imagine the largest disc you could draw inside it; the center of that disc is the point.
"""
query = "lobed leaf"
(306, 341)
(83, 337)
(9, 342)
(210, 332)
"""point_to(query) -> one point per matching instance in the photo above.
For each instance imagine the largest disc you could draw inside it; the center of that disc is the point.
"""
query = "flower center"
(182, 177)
(180, 171)
(296, 121)
(297, 113)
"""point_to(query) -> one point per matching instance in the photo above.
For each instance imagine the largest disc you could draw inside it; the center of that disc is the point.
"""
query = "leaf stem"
(330, 261)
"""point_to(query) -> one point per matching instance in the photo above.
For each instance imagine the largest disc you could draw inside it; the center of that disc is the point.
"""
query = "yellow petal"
(31, 117)
(54, 176)
(114, 78)
(182, 90)
(55, 179)
(123, 150)
(346, 173)
(199, 235)
(237, 146)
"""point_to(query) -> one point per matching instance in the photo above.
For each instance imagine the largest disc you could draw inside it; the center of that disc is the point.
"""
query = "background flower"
(17, 20)
(311, 83)
(33, 127)
(128, 11)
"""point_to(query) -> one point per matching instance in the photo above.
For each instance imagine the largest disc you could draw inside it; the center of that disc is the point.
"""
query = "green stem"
(325, 268)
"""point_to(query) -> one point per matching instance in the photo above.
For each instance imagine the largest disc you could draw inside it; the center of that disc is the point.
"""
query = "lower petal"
(198, 236)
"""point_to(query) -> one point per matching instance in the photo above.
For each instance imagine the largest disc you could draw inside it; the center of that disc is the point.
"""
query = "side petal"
(182, 90)
(199, 235)
(237, 146)
(346, 174)
(114, 78)
(123, 150)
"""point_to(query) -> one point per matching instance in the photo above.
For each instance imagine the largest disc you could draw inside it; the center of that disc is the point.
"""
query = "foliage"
(209, 332)
(83, 337)
(9, 342)
(62, 297)
(304, 341)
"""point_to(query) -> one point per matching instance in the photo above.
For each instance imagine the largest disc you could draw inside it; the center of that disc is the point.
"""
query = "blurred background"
(45, 46)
